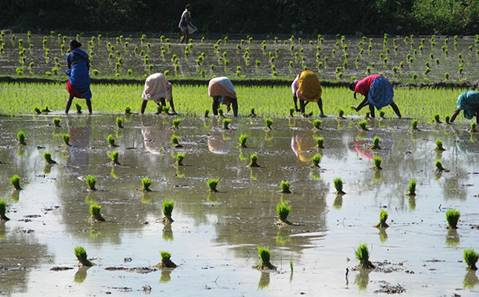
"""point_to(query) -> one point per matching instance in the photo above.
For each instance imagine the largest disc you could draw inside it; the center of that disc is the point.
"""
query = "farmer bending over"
(469, 102)
(157, 88)
(377, 91)
(307, 88)
(223, 92)
(78, 83)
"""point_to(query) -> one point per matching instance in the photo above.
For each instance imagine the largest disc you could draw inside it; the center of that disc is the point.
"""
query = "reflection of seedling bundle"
(471, 257)
(377, 162)
(179, 158)
(81, 255)
(15, 181)
(168, 210)
(242, 140)
(411, 187)
(282, 211)
(146, 184)
(376, 141)
(338, 185)
(95, 212)
(383, 216)
(3, 209)
(362, 254)
(212, 184)
(48, 158)
(452, 217)
(284, 187)
(166, 260)
(253, 160)
(264, 259)
(91, 182)
(21, 137)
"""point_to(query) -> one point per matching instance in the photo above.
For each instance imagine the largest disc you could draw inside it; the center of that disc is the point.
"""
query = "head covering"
(74, 44)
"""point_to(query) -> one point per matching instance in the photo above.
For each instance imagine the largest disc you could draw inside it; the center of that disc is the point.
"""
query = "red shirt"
(363, 86)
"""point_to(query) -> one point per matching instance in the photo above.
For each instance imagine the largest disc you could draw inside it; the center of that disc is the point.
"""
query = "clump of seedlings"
(66, 139)
(3, 209)
(471, 257)
(252, 113)
(46, 109)
(243, 138)
(226, 124)
(56, 122)
(179, 158)
(119, 122)
(167, 211)
(90, 181)
(253, 160)
(291, 112)
(175, 141)
(414, 125)
(439, 146)
(338, 185)
(448, 119)
(37, 110)
(78, 108)
(319, 142)
(166, 260)
(114, 157)
(15, 181)
(146, 184)
(376, 142)
(207, 113)
(176, 123)
(282, 211)
(437, 119)
(316, 159)
(362, 254)
(111, 140)
(363, 125)
(21, 137)
(377, 162)
(95, 212)
(383, 217)
(284, 187)
(48, 158)
(221, 113)
(128, 110)
(317, 124)
(382, 114)
(264, 259)
(341, 114)
(452, 217)
(439, 166)
(411, 187)
(81, 255)
(212, 184)
(268, 123)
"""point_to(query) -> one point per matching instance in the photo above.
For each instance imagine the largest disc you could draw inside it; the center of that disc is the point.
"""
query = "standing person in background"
(307, 88)
(185, 25)
(78, 84)
(223, 92)
(467, 101)
(377, 91)
(158, 88)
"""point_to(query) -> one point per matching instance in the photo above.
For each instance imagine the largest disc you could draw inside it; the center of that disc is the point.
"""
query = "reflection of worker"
(303, 146)
(363, 149)
(217, 145)
(223, 92)
(79, 144)
(377, 91)
(467, 101)
(155, 139)
(158, 88)
(307, 88)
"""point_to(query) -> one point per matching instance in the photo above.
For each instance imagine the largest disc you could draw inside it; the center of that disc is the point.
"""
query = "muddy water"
(214, 236)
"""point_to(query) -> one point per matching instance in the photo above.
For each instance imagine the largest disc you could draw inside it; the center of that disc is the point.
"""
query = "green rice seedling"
(382, 114)
(166, 260)
(316, 159)
(3, 209)
(414, 124)
(439, 146)
(473, 127)
(471, 257)
(338, 185)
(226, 123)
(252, 114)
(114, 157)
(15, 181)
(66, 139)
(284, 187)
(176, 123)
(341, 114)
(439, 166)
(452, 217)
(282, 211)
(179, 158)
(111, 140)
(264, 259)
(90, 181)
(81, 255)
(319, 142)
(363, 125)
(243, 138)
(37, 110)
(145, 184)
(128, 110)
(95, 212)
(448, 119)
(48, 158)
(377, 162)
(437, 119)
(376, 141)
(291, 112)
(268, 122)
(212, 184)
(56, 122)
(21, 137)
(317, 124)
(362, 254)
(175, 141)
(167, 211)
(206, 114)
(411, 187)
(46, 109)
(119, 122)
(383, 216)
(253, 160)
(78, 108)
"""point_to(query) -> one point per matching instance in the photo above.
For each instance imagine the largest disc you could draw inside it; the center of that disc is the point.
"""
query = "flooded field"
(214, 236)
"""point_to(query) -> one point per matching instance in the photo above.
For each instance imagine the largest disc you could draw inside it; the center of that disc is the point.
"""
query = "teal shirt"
(469, 102)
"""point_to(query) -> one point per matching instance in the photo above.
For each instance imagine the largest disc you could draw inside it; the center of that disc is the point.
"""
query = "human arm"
(454, 115)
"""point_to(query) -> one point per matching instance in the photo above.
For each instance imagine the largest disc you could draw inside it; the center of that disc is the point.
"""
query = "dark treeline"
(246, 16)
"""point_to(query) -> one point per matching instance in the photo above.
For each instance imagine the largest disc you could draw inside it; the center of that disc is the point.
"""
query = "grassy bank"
(22, 98)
